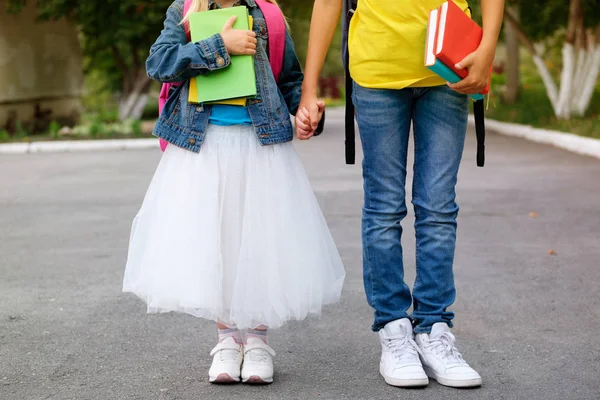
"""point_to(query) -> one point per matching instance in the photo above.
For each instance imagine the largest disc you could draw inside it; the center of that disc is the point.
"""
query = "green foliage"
(116, 34)
(4, 135)
(53, 129)
(20, 131)
(136, 128)
(96, 129)
(542, 18)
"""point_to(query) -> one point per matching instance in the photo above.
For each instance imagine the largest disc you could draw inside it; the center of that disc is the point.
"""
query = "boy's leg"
(384, 118)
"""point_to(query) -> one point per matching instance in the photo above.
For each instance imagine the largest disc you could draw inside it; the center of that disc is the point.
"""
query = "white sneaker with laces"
(227, 361)
(258, 362)
(400, 364)
(442, 360)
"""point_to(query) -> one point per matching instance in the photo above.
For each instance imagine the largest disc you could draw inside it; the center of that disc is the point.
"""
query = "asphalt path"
(527, 273)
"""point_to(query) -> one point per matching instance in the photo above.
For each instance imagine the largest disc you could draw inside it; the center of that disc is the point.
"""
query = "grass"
(92, 127)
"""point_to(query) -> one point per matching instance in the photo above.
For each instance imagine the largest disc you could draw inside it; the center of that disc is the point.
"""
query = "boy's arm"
(479, 62)
(325, 17)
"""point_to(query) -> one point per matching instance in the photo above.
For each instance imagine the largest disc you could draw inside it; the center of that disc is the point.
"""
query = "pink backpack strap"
(277, 33)
(186, 25)
(166, 87)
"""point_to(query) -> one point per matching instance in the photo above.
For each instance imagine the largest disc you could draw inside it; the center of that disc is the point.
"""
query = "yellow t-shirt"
(387, 43)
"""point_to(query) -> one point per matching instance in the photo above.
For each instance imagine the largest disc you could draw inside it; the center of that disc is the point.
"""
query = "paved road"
(527, 320)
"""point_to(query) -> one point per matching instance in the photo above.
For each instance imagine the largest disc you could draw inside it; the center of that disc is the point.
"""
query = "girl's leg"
(227, 355)
(260, 332)
(225, 331)
(258, 357)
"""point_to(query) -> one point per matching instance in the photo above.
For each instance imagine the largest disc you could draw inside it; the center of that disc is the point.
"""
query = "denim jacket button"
(199, 108)
(220, 61)
(192, 141)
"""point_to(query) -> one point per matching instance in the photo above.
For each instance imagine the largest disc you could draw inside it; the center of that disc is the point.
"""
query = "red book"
(458, 36)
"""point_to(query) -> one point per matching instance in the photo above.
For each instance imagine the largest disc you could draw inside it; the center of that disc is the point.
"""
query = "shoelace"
(226, 352)
(444, 346)
(228, 355)
(404, 348)
(256, 355)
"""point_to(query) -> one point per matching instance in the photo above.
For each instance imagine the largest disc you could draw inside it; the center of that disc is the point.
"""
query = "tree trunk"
(549, 84)
(589, 73)
(569, 78)
(134, 97)
(513, 78)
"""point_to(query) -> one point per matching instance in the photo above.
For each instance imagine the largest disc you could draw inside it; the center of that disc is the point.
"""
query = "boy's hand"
(238, 41)
(478, 65)
(308, 118)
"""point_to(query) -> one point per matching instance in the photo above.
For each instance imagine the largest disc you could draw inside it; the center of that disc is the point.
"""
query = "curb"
(566, 141)
(78, 146)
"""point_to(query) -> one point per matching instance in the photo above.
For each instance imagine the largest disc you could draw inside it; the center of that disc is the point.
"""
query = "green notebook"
(237, 80)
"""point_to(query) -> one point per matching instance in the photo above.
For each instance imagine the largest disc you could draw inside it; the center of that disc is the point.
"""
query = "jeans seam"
(415, 209)
(365, 245)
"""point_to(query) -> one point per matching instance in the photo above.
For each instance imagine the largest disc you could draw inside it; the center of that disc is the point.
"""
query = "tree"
(577, 24)
(513, 60)
(116, 36)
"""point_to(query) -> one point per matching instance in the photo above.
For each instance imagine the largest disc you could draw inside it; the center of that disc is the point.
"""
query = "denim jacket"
(175, 60)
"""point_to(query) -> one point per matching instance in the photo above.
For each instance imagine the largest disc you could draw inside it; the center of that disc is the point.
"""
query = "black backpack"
(478, 106)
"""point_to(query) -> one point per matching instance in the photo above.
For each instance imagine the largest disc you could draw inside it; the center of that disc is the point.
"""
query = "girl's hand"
(304, 130)
(478, 64)
(308, 117)
(238, 41)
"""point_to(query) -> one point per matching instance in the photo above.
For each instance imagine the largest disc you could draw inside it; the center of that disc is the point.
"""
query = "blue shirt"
(226, 115)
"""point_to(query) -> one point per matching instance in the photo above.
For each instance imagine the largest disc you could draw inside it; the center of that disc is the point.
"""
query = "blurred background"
(75, 70)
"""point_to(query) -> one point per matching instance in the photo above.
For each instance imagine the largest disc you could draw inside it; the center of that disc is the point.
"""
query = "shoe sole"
(257, 380)
(223, 379)
(419, 382)
(467, 383)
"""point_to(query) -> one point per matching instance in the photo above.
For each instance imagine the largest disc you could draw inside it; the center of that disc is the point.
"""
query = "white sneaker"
(400, 364)
(227, 361)
(442, 361)
(258, 362)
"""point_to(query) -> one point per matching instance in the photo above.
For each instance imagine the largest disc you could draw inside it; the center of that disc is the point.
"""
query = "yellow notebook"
(193, 96)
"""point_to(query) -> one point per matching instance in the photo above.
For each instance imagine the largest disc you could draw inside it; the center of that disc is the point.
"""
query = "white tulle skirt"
(233, 234)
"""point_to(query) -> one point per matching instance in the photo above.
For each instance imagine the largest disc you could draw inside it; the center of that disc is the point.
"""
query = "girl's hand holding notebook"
(238, 41)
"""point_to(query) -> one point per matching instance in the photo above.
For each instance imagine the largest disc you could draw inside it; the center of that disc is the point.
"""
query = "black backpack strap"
(321, 126)
(349, 123)
(350, 144)
(478, 110)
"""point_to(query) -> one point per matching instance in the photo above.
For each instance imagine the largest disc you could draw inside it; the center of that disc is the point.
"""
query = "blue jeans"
(439, 118)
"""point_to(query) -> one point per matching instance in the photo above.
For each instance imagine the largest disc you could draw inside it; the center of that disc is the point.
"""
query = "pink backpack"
(276, 28)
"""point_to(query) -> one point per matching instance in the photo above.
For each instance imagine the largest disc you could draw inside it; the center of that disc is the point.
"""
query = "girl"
(392, 90)
(230, 229)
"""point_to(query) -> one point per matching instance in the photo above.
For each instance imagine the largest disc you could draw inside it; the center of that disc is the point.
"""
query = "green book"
(237, 80)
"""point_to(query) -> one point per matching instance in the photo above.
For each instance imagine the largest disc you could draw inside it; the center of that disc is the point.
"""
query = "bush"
(20, 131)
(96, 129)
(53, 129)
